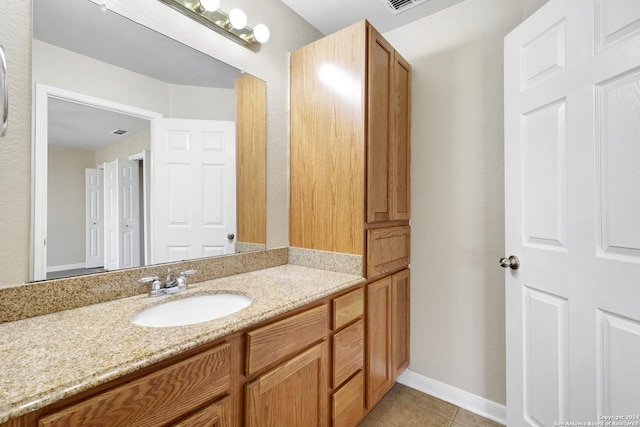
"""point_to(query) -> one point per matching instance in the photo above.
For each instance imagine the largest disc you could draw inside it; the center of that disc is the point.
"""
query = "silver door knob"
(231, 236)
(512, 262)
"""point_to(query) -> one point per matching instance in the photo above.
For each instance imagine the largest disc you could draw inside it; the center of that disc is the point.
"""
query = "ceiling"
(329, 16)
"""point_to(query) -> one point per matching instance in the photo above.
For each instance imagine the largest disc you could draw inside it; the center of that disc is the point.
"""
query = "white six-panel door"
(572, 172)
(122, 214)
(94, 198)
(193, 193)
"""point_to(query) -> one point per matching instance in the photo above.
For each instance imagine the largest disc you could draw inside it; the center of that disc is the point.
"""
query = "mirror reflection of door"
(123, 231)
(94, 221)
(194, 189)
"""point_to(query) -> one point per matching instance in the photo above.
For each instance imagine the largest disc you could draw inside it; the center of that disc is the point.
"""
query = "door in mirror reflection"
(193, 195)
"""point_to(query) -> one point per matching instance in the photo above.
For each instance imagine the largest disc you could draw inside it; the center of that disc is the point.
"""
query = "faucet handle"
(156, 282)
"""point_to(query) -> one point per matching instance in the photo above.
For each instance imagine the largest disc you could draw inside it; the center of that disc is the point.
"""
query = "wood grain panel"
(295, 393)
(348, 352)
(380, 106)
(347, 308)
(401, 141)
(155, 399)
(218, 414)
(387, 250)
(274, 342)
(327, 143)
(251, 147)
(379, 355)
(400, 321)
(348, 403)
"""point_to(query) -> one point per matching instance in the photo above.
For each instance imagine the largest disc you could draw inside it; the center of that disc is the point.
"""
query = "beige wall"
(15, 148)
(64, 69)
(66, 204)
(288, 32)
(457, 312)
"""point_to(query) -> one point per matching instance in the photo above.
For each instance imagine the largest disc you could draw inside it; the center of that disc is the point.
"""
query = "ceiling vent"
(397, 6)
(119, 132)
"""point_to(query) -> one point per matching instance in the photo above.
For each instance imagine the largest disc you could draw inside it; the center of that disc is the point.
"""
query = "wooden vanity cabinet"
(304, 368)
(350, 147)
(160, 398)
(350, 182)
(290, 358)
(348, 347)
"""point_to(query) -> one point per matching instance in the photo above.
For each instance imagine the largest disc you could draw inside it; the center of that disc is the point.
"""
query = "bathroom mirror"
(117, 106)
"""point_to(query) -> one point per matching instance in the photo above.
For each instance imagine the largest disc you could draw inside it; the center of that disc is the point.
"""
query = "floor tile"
(469, 419)
(403, 406)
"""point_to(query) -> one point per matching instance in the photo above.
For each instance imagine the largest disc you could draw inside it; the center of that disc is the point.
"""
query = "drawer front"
(348, 403)
(348, 352)
(274, 342)
(347, 308)
(387, 250)
(217, 414)
(155, 398)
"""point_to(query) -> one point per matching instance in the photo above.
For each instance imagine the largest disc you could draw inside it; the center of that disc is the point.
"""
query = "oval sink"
(191, 310)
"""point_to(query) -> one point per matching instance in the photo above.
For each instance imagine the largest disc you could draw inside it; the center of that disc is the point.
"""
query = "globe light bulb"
(237, 18)
(210, 5)
(261, 33)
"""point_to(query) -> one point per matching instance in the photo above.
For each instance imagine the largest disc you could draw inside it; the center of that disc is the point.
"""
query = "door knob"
(512, 262)
(231, 236)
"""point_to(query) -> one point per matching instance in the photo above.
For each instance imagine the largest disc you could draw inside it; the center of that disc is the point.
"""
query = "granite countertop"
(50, 357)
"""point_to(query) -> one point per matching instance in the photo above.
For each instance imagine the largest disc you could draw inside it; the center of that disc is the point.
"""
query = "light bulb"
(237, 18)
(210, 5)
(261, 33)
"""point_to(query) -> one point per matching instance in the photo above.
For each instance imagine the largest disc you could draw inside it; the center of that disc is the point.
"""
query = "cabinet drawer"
(218, 414)
(348, 308)
(348, 403)
(348, 352)
(156, 398)
(387, 250)
(274, 342)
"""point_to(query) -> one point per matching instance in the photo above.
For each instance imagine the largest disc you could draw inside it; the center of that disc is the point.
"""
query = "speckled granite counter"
(50, 357)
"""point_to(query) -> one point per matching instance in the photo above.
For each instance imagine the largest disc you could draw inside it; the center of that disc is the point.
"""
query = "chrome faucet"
(171, 286)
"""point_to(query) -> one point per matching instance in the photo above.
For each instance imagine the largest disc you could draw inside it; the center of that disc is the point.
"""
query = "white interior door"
(94, 197)
(122, 214)
(129, 211)
(572, 195)
(193, 195)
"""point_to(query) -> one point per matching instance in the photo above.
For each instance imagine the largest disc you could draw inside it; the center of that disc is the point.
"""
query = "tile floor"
(404, 406)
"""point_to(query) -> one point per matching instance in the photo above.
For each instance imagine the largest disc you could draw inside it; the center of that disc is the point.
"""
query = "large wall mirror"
(145, 150)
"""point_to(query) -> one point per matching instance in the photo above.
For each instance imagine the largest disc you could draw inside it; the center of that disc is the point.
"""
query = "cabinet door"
(400, 157)
(400, 321)
(380, 104)
(379, 372)
(293, 394)
(218, 414)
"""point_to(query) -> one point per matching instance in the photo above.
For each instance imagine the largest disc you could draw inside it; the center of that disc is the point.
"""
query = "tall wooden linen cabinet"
(350, 189)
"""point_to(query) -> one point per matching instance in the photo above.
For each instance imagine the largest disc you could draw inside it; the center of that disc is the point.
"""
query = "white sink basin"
(191, 310)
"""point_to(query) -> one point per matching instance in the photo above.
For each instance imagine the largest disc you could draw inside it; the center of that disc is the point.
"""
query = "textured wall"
(288, 32)
(457, 286)
(15, 148)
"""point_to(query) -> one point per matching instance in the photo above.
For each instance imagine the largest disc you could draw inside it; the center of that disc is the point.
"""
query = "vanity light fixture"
(232, 25)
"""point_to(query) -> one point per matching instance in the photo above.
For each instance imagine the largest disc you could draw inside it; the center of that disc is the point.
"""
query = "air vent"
(397, 6)
(119, 132)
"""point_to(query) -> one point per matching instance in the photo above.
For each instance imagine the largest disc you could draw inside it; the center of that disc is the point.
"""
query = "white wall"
(457, 289)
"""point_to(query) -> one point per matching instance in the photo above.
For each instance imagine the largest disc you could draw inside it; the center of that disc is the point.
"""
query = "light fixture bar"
(217, 21)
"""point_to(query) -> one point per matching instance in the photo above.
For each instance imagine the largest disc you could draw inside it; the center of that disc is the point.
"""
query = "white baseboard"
(55, 268)
(469, 401)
